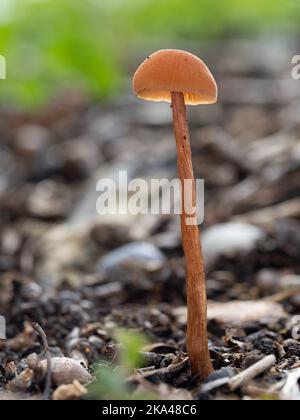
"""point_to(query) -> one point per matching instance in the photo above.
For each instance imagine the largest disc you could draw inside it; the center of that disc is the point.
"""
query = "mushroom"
(183, 79)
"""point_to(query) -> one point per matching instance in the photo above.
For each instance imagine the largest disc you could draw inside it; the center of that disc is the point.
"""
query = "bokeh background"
(68, 118)
(92, 45)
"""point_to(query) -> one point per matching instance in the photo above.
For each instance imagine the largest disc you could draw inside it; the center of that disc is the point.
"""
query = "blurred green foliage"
(54, 44)
(131, 345)
(110, 379)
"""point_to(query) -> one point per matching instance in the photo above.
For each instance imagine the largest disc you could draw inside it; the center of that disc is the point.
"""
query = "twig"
(162, 371)
(242, 378)
(42, 334)
(252, 372)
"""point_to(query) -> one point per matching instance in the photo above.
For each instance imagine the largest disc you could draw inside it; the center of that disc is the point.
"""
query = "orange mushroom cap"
(167, 71)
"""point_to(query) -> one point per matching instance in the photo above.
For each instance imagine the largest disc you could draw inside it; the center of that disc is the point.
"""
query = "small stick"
(197, 341)
(269, 215)
(252, 372)
(42, 334)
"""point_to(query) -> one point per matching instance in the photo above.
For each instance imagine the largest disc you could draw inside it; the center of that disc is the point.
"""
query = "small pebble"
(65, 370)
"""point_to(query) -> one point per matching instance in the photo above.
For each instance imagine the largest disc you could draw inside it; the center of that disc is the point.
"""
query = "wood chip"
(252, 372)
(237, 312)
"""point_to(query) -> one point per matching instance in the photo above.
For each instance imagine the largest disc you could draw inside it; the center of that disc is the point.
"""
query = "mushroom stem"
(197, 341)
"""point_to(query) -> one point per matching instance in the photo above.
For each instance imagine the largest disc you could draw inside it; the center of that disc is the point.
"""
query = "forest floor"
(74, 273)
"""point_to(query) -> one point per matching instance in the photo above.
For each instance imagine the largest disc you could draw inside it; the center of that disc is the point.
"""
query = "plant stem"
(197, 341)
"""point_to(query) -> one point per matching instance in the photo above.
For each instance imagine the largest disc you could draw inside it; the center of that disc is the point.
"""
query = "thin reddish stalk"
(197, 341)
